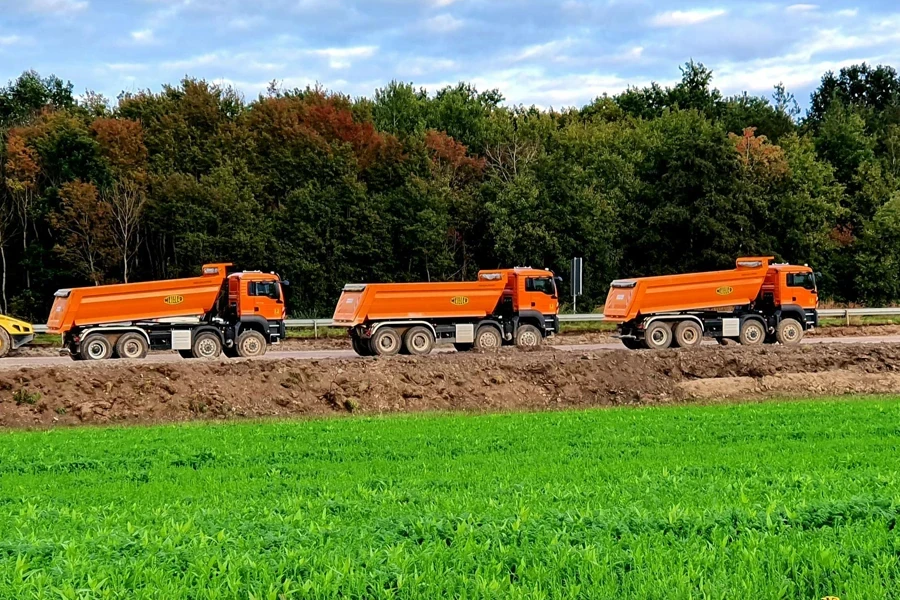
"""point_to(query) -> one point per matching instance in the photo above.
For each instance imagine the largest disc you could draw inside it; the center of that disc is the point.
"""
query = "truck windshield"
(269, 289)
(544, 285)
(804, 280)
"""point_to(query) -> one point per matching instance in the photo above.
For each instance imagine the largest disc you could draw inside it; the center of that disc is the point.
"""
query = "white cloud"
(223, 61)
(55, 6)
(799, 8)
(681, 18)
(630, 55)
(10, 40)
(244, 23)
(420, 66)
(340, 58)
(848, 12)
(760, 76)
(187, 64)
(125, 67)
(546, 50)
(534, 86)
(143, 36)
(442, 3)
(444, 23)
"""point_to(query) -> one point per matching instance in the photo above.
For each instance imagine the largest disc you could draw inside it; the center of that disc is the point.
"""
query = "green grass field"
(777, 500)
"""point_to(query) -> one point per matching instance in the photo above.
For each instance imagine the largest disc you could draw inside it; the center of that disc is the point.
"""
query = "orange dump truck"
(755, 303)
(509, 306)
(200, 317)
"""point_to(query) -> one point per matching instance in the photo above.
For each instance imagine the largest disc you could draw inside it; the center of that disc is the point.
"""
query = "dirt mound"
(123, 392)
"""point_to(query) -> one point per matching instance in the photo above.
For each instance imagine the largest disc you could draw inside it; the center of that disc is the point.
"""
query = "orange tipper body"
(190, 297)
(756, 302)
(239, 314)
(499, 304)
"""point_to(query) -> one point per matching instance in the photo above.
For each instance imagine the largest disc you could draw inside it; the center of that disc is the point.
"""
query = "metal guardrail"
(844, 313)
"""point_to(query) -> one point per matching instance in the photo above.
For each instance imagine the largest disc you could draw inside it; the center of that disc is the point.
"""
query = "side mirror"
(285, 282)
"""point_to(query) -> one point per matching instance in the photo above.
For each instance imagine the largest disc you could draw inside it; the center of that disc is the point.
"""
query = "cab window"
(267, 289)
(540, 284)
(804, 280)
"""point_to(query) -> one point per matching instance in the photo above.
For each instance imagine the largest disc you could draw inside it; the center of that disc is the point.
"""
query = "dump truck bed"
(129, 302)
(629, 298)
(361, 303)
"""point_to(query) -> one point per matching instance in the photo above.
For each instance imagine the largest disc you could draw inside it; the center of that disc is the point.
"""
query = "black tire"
(688, 334)
(360, 346)
(488, 338)
(207, 346)
(789, 332)
(185, 354)
(463, 347)
(418, 341)
(528, 336)
(96, 347)
(658, 335)
(251, 344)
(5, 342)
(386, 342)
(132, 346)
(753, 333)
(633, 344)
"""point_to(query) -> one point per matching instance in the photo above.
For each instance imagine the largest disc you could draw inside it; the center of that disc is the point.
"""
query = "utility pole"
(577, 281)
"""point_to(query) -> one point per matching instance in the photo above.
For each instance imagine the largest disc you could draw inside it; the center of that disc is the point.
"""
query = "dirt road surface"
(49, 359)
(160, 390)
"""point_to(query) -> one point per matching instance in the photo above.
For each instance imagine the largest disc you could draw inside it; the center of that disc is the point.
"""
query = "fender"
(791, 311)
(676, 317)
(380, 324)
(83, 333)
(257, 322)
(532, 315)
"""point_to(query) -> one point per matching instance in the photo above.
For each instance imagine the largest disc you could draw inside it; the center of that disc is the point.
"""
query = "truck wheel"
(96, 347)
(789, 332)
(386, 342)
(185, 354)
(5, 342)
(418, 341)
(250, 344)
(528, 336)
(207, 345)
(658, 335)
(633, 344)
(488, 338)
(132, 346)
(688, 334)
(463, 347)
(752, 333)
(360, 346)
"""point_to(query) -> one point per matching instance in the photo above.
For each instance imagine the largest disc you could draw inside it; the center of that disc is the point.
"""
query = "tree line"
(407, 186)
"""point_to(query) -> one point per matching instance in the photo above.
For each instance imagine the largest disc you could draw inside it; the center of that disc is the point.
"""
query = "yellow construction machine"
(14, 334)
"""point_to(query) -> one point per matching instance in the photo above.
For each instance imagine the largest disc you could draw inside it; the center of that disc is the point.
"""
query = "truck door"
(263, 299)
(540, 294)
(800, 289)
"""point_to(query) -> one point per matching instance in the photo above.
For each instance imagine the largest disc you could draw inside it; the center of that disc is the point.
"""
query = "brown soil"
(575, 338)
(855, 330)
(510, 380)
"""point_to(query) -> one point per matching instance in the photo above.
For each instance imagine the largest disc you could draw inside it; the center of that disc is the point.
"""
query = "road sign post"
(577, 281)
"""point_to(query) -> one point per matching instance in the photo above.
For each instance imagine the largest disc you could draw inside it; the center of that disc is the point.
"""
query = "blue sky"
(546, 52)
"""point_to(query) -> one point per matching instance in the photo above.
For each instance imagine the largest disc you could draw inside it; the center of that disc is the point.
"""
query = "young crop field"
(774, 500)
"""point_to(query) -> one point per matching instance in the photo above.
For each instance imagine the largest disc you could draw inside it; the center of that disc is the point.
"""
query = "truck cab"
(534, 294)
(257, 298)
(791, 288)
